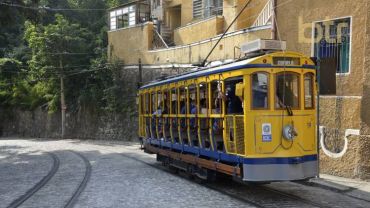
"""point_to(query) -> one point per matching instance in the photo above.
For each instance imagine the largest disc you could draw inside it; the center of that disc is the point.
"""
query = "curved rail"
(240, 197)
(39, 185)
(294, 197)
(81, 187)
(208, 186)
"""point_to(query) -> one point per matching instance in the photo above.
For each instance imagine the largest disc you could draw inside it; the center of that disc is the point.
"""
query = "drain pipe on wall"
(318, 115)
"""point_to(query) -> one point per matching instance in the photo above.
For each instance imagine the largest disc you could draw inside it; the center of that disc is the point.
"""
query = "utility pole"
(62, 98)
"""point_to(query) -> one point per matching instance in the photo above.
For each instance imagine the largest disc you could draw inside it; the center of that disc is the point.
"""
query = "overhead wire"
(50, 9)
(284, 84)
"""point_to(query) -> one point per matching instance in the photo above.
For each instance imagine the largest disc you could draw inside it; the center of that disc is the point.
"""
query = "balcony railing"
(265, 16)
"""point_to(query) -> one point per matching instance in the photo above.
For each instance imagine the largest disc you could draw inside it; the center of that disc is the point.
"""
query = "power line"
(49, 9)
(43, 7)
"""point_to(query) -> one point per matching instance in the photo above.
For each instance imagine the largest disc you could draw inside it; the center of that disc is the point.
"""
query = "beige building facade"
(182, 32)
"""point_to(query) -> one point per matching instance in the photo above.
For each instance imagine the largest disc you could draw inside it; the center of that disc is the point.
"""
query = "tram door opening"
(234, 115)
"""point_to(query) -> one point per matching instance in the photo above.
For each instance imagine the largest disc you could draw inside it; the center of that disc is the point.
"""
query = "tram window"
(174, 101)
(192, 99)
(203, 98)
(287, 90)
(166, 102)
(216, 101)
(147, 103)
(142, 104)
(159, 108)
(183, 100)
(260, 87)
(153, 102)
(308, 91)
(233, 103)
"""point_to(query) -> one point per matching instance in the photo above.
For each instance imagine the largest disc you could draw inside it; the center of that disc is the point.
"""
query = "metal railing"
(235, 140)
(158, 41)
(265, 16)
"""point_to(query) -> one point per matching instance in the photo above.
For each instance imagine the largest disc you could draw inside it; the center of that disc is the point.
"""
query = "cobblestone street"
(118, 174)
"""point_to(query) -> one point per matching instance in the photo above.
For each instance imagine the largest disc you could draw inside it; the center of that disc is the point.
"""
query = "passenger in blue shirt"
(193, 110)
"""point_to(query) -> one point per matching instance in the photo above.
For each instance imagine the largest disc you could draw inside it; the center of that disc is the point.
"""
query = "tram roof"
(243, 64)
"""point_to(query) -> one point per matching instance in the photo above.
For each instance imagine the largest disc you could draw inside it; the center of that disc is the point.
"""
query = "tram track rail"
(45, 180)
(334, 190)
(276, 198)
(294, 197)
(19, 201)
(164, 169)
(81, 187)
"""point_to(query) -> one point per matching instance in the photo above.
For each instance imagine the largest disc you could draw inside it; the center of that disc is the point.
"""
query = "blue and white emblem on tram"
(266, 132)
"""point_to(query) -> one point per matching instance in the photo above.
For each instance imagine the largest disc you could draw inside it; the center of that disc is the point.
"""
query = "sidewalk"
(351, 187)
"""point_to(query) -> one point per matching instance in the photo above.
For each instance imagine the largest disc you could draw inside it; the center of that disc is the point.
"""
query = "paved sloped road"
(123, 176)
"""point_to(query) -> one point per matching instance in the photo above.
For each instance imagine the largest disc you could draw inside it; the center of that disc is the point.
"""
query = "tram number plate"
(266, 132)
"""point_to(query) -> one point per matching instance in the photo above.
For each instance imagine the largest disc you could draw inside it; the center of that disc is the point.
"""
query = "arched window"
(203, 99)
(147, 103)
(192, 99)
(182, 93)
(174, 101)
(153, 102)
(287, 90)
(260, 90)
(216, 101)
(308, 91)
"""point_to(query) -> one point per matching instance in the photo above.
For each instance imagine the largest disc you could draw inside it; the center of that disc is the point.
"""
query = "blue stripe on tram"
(222, 156)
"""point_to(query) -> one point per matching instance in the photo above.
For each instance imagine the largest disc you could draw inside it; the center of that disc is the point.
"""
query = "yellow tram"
(254, 119)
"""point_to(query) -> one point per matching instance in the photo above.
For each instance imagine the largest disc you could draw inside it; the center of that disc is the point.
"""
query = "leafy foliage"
(39, 45)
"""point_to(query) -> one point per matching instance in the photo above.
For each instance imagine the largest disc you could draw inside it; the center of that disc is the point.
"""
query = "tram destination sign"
(286, 61)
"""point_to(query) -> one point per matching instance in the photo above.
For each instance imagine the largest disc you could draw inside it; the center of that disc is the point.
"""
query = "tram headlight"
(289, 133)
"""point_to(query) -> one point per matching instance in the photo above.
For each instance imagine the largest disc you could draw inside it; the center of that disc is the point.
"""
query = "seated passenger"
(158, 111)
(203, 106)
(183, 111)
(165, 108)
(182, 107)
(234, 103)
(174, 106)
(193, 110)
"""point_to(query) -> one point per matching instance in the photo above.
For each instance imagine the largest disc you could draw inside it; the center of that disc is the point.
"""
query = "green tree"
(57, 50)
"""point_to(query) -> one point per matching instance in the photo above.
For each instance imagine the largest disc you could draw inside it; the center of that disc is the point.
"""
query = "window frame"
(298, 90)
(182, 87)
(199, 113)
(207, 9)
(188, 99)
(210, 107)
(268, 90)
(312, 88)
(166, 93)
(350, 42)
(175, 112)
(154, 92)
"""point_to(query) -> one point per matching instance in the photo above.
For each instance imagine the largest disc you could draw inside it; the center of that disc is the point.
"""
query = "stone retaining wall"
(80, 125)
